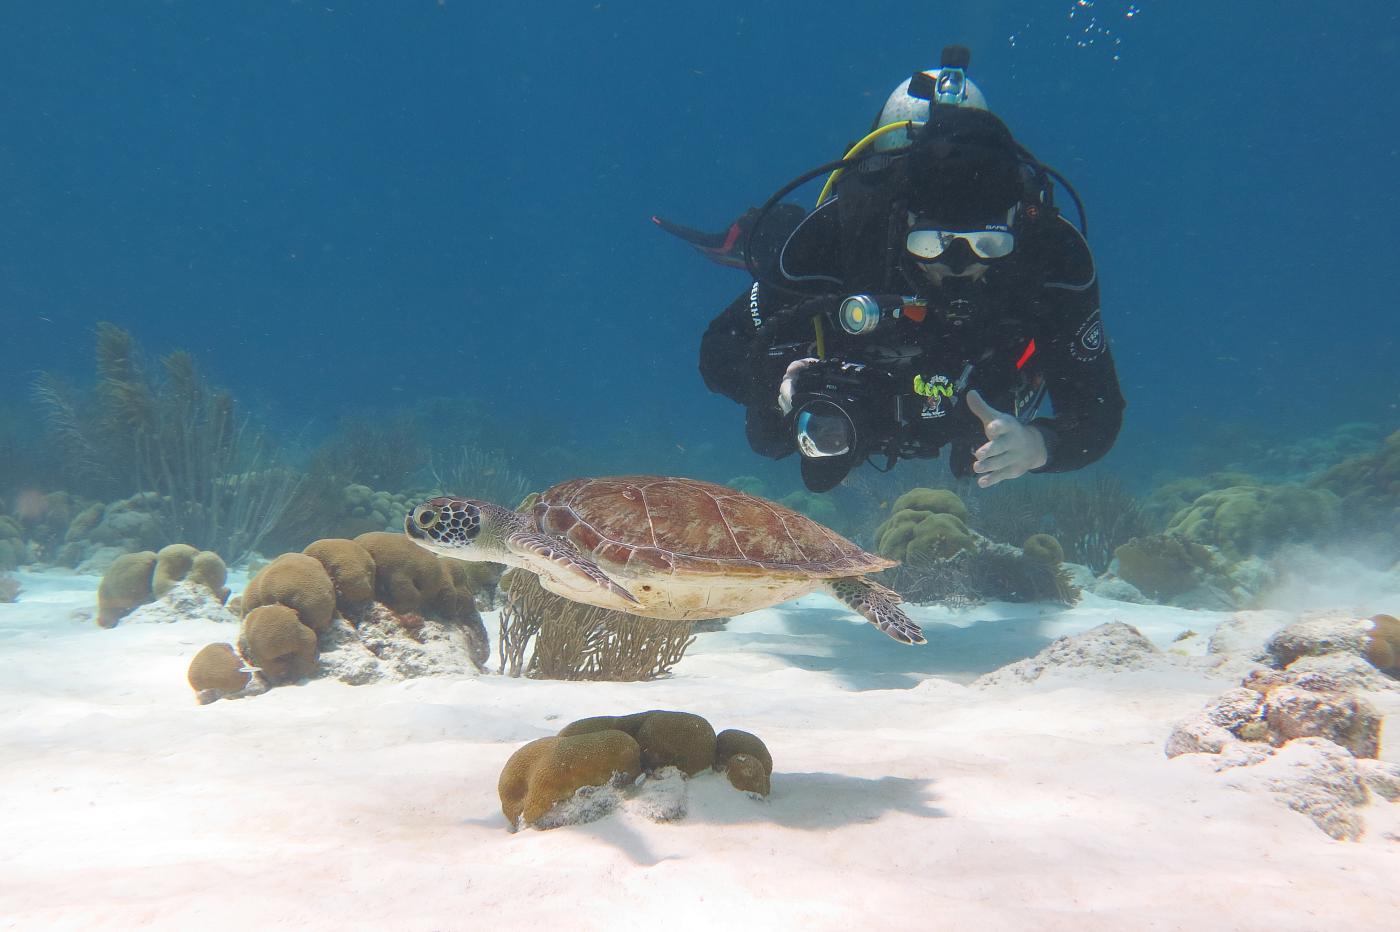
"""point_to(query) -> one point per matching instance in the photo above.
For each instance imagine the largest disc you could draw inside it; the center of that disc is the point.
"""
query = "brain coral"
(1162, 566)
(280, 645)
(1383, 644)
(924, 524)
(548, 771)
(178, 562)
(667, 739)
(1369, 486)
(407, 578)
(125, 585)
(298, 582)
(217, 671)
(747, 773)
(350, 567)
(931, 501)
(732, 741)
(11, 543)
(1044, 549)
(1247, 520)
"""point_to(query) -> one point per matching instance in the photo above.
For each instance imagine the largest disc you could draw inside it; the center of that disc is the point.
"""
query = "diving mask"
(993, 242)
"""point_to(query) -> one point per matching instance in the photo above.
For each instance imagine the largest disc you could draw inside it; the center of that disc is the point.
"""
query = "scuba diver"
(934, 297)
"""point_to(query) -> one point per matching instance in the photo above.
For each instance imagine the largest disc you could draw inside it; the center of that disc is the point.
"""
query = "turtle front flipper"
(879, 605)
(573, 575)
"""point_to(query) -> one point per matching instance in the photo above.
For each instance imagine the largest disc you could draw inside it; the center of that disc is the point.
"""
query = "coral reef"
(583, 773)
(1242, 521)
(432, 630)
(1088, 518)
(1162, 566)
(1170, 497)
(1368, 486)
(974, 571)
(568, 640)
(216, 481)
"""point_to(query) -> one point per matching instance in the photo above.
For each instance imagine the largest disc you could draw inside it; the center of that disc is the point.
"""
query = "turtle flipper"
(558, 560)
(879, 605)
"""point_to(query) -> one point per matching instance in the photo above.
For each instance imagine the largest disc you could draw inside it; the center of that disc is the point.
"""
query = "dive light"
(861, 313)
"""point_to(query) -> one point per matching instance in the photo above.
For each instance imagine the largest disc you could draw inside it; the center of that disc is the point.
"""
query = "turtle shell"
(646, 525)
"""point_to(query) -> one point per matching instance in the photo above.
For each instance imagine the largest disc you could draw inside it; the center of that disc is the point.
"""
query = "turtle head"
(449, 526)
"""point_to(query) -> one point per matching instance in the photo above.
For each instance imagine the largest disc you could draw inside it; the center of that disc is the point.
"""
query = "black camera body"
(879, 417)
(868, 398)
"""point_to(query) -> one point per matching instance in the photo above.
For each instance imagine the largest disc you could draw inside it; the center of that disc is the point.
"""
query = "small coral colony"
(160, 482)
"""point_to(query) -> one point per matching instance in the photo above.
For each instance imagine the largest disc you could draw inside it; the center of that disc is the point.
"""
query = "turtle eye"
(425, 517)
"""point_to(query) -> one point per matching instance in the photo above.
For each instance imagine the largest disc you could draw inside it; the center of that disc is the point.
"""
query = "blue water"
(343, 205)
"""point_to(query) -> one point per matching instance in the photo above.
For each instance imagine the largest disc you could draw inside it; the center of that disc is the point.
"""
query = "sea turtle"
(663, 547)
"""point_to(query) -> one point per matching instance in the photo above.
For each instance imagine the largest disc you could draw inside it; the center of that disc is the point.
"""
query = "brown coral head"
(1383, 645)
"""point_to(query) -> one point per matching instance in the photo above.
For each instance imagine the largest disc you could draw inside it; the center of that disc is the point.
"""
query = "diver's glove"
(786, 387)
(1012, 448)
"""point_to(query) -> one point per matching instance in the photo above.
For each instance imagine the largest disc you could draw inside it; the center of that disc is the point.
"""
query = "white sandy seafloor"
(902, 798)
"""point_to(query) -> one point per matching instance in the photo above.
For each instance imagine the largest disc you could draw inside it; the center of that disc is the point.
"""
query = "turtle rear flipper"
(879, 605)
(571, 574)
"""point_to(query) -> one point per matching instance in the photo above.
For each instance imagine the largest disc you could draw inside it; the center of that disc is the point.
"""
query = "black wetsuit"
(1032, 321)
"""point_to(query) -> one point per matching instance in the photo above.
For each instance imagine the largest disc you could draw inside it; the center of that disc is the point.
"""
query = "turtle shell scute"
(664, 525)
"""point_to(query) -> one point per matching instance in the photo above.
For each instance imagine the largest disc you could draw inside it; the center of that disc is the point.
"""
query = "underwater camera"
(842, 413)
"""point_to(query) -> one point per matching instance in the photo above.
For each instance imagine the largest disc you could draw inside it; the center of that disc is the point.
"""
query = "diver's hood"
(962, 170)
(964, 167)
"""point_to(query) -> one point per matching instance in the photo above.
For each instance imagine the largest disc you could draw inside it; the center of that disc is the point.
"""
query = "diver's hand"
(785, 389)
(1012, 448)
